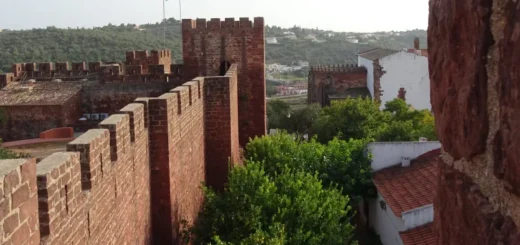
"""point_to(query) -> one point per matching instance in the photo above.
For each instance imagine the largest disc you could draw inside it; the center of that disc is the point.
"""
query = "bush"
(289, 208)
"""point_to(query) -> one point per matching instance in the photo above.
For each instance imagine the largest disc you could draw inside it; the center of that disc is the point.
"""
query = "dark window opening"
(224, 66)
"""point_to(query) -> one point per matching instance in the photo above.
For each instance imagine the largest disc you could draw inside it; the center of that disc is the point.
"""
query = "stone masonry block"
(192, 91)
(145, 102)
(10, 171)
(119, 127)
(57, 201)
(95, 155)
(135, 112)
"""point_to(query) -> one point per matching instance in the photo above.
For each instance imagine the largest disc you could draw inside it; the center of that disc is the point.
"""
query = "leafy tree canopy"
(341, 164)
(289, 208)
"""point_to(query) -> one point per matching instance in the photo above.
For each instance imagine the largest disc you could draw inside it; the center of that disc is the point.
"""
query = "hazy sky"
(337, 15)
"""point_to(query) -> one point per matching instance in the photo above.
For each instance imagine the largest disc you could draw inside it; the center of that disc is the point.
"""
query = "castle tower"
(211, 47)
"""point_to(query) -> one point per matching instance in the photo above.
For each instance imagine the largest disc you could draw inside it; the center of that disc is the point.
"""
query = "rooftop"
(377, 53)
(45, 93)
(407, 188)
(423, 235)
(42, 149)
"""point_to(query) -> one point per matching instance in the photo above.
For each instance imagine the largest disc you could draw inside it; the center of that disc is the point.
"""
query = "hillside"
(110, 42)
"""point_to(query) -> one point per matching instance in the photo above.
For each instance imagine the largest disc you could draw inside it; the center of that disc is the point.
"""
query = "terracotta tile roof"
(377, 53)
(48, 93)
(407, 188)
(423, 235)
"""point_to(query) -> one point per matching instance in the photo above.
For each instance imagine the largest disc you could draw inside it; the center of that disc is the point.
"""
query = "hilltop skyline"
(400, 15)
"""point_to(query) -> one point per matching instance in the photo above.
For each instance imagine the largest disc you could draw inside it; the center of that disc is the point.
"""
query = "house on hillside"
(394, 72)
(406, 181)
(271, 40)
(384, 73)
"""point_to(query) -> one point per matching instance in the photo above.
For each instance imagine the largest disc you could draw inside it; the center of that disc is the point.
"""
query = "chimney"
(416, 43)
(405, 162)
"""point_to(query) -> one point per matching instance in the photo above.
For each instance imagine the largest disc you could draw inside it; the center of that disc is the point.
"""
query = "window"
(383, 205)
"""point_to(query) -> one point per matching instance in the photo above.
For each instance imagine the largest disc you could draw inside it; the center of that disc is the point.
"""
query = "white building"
(390, 71)
(271, 40)
(289, 35)
(352, 40)
(402, 213)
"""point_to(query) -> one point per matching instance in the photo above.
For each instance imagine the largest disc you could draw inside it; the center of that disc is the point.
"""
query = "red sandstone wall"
(209, 44)
(110, 98)
(473, 57)
(351, 77)
(177, 157)
(221, 126)
(18, 202)
(26, 122)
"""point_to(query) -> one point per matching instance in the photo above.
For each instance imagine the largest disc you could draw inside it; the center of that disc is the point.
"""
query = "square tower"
(211, 47)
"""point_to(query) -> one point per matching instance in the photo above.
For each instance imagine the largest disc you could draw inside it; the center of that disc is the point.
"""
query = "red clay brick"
(20, 195)
(10, 224)
(21, 235)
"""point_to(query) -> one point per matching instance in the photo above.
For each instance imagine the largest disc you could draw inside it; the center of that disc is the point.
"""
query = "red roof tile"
(407, 188)
(423, 235)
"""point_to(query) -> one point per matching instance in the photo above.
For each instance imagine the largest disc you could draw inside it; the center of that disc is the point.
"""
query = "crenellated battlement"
(152, 152)
(345, 68)
(140, 66)
(216, 23)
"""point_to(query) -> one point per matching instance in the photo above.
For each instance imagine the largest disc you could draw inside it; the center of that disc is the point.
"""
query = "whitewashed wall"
(418, 217)
(369, 65)
(387, 154)
(385, 223)
(409, 71)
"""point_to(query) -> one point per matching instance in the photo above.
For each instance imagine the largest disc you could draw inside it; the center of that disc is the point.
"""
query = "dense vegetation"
(110, 42)
(354, 119)
(297, 191)
(288, 192)
(292, 207)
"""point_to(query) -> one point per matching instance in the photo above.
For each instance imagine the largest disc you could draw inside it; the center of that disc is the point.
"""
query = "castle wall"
(343, 77)
(209, 49)
(476, 104)
(221, 126)
(134, 180)
(18, 202)
(111, 97)
(27, 122)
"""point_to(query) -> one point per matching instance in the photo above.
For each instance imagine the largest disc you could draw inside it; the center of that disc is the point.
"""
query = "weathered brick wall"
(177, 157)
(27, 122)
(221, 126)
(111, 97)
(18, 202)
(342, 77)
(210, 47)
(473, 56)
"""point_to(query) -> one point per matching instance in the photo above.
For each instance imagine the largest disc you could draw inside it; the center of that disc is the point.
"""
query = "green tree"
(342, 164)
(407, 124)
(350, 119)
(298, 121)
(277, 112)
(289, 208)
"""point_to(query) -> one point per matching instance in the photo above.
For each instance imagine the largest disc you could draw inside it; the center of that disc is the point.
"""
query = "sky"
(336, 15)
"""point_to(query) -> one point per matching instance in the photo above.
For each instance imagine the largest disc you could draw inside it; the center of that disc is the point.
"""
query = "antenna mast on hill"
(164, 22)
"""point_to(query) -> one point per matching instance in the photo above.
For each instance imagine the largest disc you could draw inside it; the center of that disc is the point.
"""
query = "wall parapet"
(346, 68)
(216, 23)
(91, 194)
